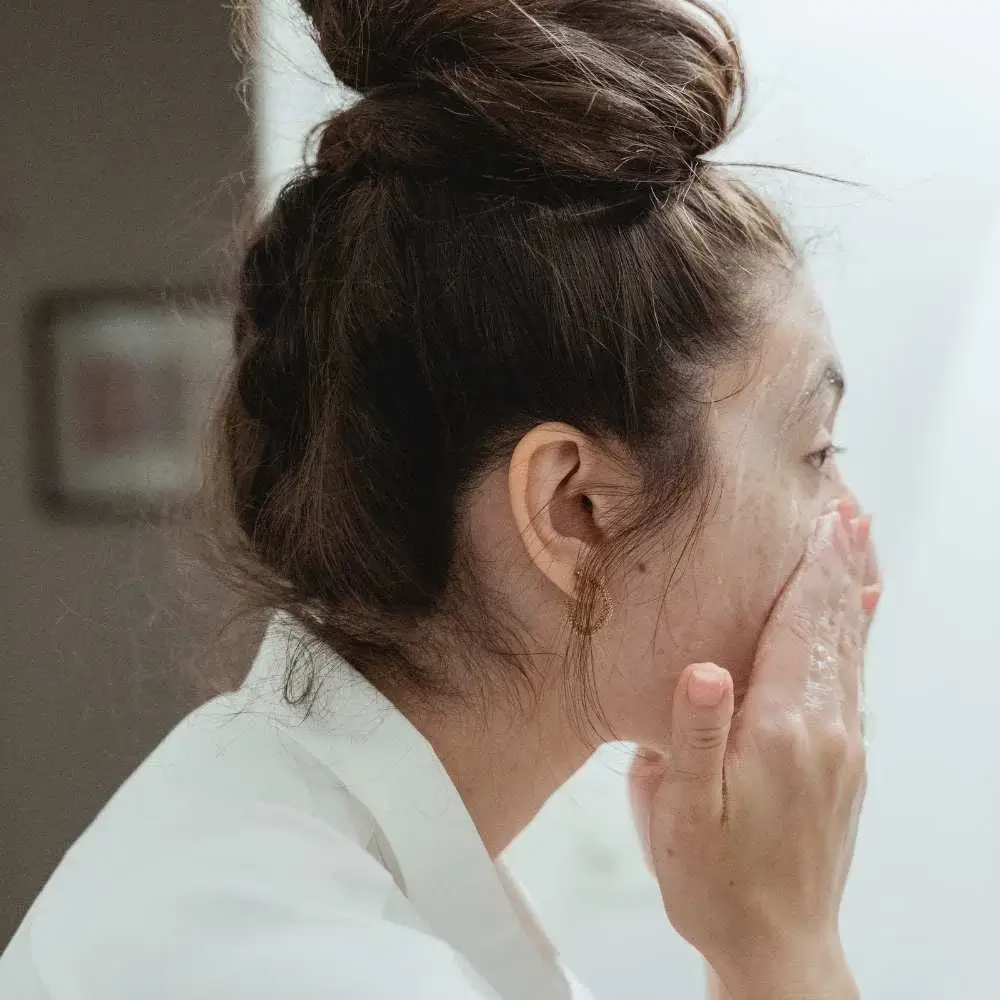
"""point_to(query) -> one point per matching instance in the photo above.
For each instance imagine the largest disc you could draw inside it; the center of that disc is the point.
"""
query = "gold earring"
(579, 620)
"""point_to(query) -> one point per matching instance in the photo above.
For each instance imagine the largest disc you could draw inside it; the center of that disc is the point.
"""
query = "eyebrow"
(829, 380)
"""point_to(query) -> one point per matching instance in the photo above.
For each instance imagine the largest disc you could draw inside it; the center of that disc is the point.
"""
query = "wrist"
(813, 972)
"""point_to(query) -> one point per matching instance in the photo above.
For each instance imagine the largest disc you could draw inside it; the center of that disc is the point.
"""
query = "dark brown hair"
(515, 223)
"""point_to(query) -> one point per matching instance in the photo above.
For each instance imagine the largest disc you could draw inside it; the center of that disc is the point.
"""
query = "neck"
(505, 763)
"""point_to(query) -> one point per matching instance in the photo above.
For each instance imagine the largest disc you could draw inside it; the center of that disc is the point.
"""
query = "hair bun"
(607, 90)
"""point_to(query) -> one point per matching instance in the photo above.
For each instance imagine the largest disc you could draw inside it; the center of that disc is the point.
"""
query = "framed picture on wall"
(125, 383)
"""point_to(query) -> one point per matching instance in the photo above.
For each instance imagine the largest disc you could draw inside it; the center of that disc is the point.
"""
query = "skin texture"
(528, 527)
(770, 483)
(768, 593)
(749, 823)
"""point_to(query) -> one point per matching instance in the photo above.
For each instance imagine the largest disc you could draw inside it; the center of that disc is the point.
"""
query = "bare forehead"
(794, 340)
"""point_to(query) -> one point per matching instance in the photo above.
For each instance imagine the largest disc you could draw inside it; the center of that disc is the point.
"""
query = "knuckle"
(706, 738)
(681, 777)
(782, 735)
(835, 744)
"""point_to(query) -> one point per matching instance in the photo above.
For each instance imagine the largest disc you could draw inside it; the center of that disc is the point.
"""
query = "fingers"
(811, 652)
(870, 597)
(871, 576)
(702, 717)
(786, 652)
(851, 625)
(871, 591)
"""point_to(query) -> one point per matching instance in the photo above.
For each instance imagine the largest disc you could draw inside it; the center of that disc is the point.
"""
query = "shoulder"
(233, 941)
(231, 865)
(226, 800)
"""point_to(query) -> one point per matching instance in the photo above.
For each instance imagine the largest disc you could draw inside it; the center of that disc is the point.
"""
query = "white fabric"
(260, 854)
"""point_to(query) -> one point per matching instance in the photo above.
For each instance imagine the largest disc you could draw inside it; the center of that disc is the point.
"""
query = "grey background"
(124, 153)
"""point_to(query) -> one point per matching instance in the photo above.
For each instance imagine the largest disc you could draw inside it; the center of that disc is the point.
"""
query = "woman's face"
(774, 468)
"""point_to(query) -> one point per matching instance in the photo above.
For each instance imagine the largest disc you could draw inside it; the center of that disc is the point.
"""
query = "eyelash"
(819, 459)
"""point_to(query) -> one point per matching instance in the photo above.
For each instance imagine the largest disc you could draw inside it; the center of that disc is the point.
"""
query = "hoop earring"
(579, 621)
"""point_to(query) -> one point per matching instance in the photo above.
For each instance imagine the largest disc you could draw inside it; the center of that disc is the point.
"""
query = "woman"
(529, 446)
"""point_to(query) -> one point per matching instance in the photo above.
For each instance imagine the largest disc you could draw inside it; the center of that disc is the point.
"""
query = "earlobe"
(549, 472)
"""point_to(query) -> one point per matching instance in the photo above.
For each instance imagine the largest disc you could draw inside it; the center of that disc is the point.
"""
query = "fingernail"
(849, 510)
(870, 597)
(707, 686)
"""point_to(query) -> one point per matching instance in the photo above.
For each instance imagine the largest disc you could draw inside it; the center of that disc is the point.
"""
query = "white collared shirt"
(262, 852)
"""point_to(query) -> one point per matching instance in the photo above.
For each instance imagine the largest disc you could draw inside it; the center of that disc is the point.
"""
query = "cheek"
(719, 598)
(749, 553)
(779, 529)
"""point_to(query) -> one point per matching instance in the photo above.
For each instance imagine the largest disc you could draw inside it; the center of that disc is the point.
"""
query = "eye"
(820, 459)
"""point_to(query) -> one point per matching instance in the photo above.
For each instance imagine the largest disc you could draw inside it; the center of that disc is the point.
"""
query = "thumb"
(703, 714)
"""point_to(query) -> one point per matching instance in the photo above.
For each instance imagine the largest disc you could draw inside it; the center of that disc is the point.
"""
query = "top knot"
(372, 43)
(593, 90)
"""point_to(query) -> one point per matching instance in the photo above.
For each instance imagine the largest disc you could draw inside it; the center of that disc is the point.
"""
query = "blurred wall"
(124, 150)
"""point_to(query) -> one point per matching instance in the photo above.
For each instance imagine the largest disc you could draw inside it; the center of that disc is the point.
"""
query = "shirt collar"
(388, 766)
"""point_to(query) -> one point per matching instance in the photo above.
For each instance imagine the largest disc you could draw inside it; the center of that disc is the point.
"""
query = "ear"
(561, 483)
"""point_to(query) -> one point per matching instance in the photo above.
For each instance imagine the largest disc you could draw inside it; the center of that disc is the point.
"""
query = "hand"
(751, 833)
